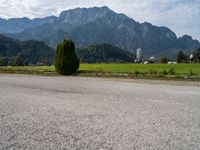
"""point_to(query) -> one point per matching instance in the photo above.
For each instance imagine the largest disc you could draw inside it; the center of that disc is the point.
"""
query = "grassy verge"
(150, 71)
(36, 70)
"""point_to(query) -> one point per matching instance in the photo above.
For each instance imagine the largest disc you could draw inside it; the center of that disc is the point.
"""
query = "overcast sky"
(182, 16)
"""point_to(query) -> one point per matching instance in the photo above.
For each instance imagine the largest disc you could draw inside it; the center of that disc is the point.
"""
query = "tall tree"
(66, 61)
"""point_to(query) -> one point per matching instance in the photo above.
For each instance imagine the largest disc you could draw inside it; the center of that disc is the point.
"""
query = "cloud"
(182, 16)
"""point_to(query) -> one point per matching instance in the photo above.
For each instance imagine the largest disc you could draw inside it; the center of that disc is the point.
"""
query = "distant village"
(142, 60)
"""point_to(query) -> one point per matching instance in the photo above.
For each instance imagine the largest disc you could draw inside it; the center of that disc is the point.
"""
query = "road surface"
(86, 113)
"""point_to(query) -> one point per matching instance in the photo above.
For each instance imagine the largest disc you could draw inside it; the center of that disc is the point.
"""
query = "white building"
(138, 55)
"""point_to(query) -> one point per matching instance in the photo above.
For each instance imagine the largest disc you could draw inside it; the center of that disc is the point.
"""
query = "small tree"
(182, 57)
(163, 60)
(197, 55)
(66, 61)
(17, 61)
(3, 61)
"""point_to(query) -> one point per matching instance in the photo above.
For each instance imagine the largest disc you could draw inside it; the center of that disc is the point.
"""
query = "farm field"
(116, 68)
(132, 68)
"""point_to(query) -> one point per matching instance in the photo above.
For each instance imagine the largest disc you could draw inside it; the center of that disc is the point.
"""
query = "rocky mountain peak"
(93, 25)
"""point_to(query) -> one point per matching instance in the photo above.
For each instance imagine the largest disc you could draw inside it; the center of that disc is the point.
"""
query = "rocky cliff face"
(99, 25)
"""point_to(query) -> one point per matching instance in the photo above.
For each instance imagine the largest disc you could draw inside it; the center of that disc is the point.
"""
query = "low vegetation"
(150, 71)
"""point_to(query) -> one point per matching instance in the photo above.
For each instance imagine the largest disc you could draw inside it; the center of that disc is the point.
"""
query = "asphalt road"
(86, 113)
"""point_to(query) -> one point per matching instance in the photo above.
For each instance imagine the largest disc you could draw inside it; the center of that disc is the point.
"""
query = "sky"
(182, 16)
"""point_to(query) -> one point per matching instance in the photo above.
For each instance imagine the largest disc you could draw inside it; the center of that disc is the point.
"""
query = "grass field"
(132, 68)
(138, 70)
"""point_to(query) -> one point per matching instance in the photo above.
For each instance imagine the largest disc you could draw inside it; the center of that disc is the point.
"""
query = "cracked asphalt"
(56, 113)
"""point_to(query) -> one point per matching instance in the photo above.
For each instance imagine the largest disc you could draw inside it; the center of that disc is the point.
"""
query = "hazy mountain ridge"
(16, 25)
(87, 26)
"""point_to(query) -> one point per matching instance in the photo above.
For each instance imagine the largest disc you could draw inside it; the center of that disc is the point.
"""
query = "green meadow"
(143, 68)
(132, 70)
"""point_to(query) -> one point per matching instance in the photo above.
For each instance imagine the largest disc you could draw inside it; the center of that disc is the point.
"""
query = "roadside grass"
(149, 71)
(40, 70)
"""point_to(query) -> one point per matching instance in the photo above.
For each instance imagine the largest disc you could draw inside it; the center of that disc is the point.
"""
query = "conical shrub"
(66, 61)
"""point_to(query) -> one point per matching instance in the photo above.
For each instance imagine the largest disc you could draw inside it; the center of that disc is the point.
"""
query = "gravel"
(88, 113)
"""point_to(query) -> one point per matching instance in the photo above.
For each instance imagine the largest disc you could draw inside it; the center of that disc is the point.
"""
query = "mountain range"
(104, 53)
(29, 52)
(86, 26)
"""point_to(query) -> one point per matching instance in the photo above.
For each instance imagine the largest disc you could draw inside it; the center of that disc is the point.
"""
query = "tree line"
(183, 57)
(23, 53)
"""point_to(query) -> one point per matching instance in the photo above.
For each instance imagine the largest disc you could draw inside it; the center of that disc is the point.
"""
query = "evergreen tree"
(3, 61)
(17, 61)
(163, 60)
(66, 61)
(197, 55)
(182, 57)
